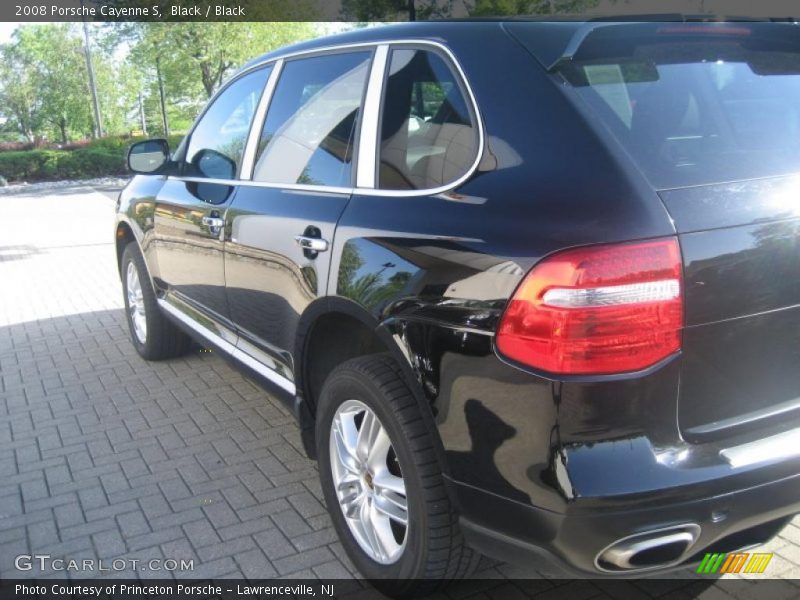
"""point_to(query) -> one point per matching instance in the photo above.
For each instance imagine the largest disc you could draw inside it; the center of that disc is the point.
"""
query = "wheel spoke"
(351, 501)
(366, 435)
(348, 482)
(393, 506)
(379, 449)
(347, 426)
(384, 481)
(367, 519)
(345, 452)
(383, 529)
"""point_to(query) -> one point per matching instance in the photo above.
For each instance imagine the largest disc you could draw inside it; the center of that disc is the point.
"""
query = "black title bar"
(365, 10)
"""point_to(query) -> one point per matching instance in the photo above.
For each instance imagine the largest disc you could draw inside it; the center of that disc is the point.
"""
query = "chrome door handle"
(213, 222)
(310, 243)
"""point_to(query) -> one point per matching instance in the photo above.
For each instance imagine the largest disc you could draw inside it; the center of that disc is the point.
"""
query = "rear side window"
(696, 103)
(312, 119)
(428, 136)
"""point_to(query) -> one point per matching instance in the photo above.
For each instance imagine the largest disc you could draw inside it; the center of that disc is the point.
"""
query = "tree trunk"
(412, 10)
(98, 121)
(141, 114)
(164, 120)
(62, 125)
(208, 79)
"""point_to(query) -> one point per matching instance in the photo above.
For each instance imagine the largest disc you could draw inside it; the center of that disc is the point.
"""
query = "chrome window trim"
(304, 187)
(374, 108)
(459, 72)
(370, 120)
(333, 48)
(257, 123)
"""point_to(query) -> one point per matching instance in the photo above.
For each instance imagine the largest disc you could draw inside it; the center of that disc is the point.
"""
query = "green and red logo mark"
(734, 562)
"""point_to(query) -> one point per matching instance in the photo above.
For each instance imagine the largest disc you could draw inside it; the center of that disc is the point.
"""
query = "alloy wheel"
(369, 483)
(136, 308)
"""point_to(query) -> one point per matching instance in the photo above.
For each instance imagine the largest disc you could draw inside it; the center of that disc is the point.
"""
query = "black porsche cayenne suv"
(529, 288)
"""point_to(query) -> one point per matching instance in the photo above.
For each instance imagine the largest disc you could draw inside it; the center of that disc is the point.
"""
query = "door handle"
(312, 244)
(213, 222)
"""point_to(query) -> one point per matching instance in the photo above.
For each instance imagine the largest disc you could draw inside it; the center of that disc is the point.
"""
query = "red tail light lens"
(597, 310)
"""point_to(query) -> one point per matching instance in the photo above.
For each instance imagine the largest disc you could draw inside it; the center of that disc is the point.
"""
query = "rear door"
(282, 222)
(710, 113)
(190, 208)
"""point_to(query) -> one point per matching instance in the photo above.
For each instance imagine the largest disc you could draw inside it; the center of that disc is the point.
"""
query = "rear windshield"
(695, 103)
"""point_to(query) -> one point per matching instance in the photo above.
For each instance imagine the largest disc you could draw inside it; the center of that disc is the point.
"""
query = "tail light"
(597, 310)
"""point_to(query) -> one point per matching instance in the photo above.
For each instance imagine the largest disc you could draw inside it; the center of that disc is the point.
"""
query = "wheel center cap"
(368, 480)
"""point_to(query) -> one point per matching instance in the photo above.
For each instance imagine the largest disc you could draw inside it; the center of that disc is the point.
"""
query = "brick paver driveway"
(103, 455)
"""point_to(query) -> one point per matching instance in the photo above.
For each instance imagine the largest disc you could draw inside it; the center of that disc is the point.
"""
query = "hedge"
(101, 158)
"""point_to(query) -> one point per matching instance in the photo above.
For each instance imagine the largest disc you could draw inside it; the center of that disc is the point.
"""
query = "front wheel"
(152, 334)
(382, 482)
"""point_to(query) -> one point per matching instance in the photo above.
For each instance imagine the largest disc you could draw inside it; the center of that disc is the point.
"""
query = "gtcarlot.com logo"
(44, 562)
(735, 562)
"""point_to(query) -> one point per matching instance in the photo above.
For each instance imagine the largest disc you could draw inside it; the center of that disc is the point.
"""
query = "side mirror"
(148, 157)
(214, 165)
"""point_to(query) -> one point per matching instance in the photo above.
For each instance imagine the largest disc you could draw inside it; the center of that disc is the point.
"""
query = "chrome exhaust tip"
(654, 549)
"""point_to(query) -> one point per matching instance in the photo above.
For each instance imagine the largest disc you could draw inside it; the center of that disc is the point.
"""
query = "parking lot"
(106, 456)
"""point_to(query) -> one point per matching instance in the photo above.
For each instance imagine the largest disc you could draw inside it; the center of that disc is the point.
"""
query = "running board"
(230, 349)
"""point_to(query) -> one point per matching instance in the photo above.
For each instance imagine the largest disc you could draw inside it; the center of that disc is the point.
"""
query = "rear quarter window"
(429, 133)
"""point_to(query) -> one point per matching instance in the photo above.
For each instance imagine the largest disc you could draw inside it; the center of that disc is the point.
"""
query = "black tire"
(163, 339)
(434, 551)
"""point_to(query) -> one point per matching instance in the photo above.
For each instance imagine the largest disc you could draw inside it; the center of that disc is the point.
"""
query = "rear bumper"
(522, 534)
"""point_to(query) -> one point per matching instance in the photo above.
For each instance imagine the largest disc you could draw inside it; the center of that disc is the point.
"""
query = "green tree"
(531, 7)
(20, 104)
(211, 51)
(381, 10)
(394, 10)
(61, 77)
(189, 61)
(44, 85)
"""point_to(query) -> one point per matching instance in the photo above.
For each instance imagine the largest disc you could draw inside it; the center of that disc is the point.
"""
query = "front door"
(282, 224)
(190, 208)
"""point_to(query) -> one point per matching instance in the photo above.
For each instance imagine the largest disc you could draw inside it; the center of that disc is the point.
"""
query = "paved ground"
(103, 455)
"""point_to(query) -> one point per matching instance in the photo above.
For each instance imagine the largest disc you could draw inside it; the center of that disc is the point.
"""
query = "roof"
(435, 30)
(547, 39)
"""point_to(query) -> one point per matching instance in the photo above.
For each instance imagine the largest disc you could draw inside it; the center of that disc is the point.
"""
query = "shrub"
(23, 165)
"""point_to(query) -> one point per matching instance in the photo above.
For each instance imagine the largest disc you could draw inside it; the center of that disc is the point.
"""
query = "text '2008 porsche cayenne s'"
(530, 289)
